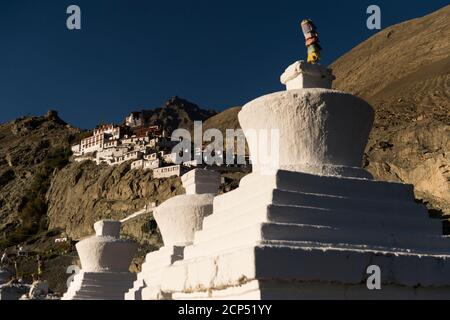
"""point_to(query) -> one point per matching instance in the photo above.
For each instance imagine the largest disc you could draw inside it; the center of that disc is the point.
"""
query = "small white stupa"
(178, 219)
(105, 261)
(312, 226)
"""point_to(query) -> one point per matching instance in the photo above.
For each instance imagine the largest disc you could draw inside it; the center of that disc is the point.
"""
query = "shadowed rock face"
(30, 149)
(83, 193)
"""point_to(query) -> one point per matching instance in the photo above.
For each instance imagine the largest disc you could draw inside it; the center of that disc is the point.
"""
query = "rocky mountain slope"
(177, 113)
(404, 72)
(223, 121)
(31, 149)
(44, 195)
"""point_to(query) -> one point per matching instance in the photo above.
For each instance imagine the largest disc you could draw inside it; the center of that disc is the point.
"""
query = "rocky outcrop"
(31, 148)
(175, 114)
(83, 193)
(416, 154)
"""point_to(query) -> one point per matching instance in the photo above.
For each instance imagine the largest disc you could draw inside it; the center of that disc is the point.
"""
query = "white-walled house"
(151, 156)
(133, 155)
(138, 164)
(166, 172)
(146, 164)
(152, 164)
(112, 143)
(191, 163)
(109, 130)
(101, 136)
(93, 143)
(108, 155)
(76, 149)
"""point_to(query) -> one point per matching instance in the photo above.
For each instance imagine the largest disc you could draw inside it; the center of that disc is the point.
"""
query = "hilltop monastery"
(148, 147)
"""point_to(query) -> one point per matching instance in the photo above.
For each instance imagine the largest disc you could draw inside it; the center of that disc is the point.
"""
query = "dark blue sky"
(134, 54)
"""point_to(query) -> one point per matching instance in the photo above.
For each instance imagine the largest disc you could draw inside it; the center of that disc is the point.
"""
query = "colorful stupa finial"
(312, 40)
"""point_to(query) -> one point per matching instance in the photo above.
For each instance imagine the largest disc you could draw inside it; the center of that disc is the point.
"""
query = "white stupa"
(310, 227)
(105, 261)
(178, 219)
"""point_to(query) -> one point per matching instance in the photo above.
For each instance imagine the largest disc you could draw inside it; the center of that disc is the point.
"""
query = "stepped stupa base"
(178, 219)
(105, 261)
(295, 235)
(99, 286)
(282, 290)
(148, 283)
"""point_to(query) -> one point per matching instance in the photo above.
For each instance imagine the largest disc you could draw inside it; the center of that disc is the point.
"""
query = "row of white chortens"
(308, 230)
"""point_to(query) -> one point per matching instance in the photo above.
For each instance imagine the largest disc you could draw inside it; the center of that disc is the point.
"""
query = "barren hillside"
(404, 72)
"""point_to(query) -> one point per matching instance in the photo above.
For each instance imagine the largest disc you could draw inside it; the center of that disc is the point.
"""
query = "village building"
(152, 156)
(144, 164)
(152, 164)
(133, 155)
(191, 163)
(138, 164)
(76, 149)
(111, 143)
(167, 172)
(96, 142)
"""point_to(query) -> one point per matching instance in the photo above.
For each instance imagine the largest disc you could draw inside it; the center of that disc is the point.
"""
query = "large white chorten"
(311, 228)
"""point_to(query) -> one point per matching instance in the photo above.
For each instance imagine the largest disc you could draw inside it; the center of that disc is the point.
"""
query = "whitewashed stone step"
(312, 216)
(282, 197)
(321, 216)
(208, 244)
(307, 264)
(338, 186)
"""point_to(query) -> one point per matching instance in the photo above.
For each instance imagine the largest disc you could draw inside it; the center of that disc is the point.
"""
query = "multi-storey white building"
(110, 130)
(101, 136)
